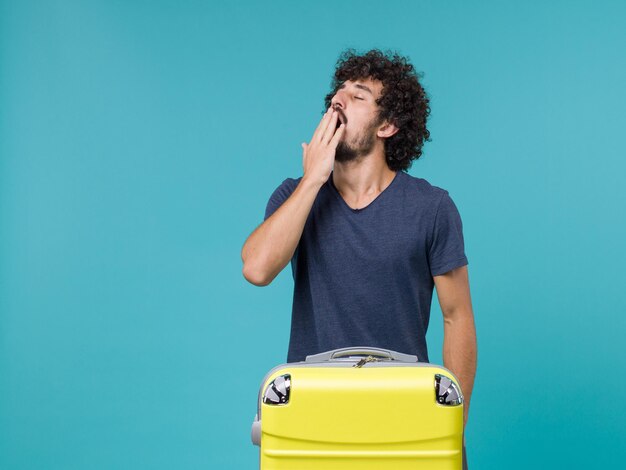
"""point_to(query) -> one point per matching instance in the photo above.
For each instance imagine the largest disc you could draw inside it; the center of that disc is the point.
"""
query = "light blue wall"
(140, 140)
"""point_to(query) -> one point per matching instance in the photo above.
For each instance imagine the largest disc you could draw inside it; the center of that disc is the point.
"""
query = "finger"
(331, 128)
(335, 140)
(321, 127)
(327, 132)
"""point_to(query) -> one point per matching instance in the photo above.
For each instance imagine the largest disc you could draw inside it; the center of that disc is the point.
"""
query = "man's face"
(355, 102)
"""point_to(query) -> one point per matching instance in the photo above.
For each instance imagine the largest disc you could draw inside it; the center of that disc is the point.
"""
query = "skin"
(459, 330)
(360, 174)
(361, 180)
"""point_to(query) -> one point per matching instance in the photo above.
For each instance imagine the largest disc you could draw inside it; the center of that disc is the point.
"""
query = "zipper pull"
(362, 361)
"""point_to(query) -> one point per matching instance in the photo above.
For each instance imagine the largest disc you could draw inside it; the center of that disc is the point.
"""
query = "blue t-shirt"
(364, 277)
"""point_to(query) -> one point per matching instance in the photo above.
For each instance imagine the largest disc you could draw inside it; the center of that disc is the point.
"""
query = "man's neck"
(359, 181)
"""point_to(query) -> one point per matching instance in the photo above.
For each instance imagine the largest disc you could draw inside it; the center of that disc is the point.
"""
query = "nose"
(337, 102)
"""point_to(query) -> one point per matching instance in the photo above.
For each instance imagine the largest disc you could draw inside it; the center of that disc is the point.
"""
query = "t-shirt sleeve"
(280, 195)
(447, 249)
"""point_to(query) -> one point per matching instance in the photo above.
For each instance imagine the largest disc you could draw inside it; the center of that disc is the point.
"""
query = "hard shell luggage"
(359, 408)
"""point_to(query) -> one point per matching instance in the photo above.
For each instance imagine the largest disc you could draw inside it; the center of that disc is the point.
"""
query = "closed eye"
(358, 98)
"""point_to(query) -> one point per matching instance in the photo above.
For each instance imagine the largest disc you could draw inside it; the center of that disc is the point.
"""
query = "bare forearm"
(270, 247)
(460, 353)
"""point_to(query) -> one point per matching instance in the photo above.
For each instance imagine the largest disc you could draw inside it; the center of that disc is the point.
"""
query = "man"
(368, 242)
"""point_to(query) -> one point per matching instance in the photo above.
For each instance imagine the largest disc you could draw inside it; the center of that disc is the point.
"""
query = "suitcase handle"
(361, 350)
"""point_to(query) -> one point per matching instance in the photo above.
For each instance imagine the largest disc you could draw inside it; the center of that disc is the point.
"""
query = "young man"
(368, 242)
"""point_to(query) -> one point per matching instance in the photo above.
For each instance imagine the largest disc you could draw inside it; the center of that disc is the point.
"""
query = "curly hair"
(403, 100)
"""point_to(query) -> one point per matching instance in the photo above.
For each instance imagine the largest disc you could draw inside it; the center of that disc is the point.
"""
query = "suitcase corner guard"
(448, 392)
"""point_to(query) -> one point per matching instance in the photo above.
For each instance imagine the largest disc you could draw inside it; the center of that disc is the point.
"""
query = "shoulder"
(280, 195)
(287, 187)
(422, 188)
(289, 184)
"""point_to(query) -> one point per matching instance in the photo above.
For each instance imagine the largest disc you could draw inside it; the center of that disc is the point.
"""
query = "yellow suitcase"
(359, 408)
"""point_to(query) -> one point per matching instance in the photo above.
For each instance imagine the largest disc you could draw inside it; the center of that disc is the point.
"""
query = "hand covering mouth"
(340, 119)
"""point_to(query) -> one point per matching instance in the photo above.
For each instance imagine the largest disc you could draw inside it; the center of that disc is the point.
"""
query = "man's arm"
(459, 340)
(270, 247)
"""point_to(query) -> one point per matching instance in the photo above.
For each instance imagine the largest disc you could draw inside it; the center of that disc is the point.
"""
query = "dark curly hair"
(403, 100)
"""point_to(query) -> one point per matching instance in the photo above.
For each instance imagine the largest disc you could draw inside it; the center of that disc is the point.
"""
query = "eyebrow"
(357, 85)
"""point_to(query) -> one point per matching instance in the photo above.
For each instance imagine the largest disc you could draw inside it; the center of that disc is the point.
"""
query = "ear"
(387, 130)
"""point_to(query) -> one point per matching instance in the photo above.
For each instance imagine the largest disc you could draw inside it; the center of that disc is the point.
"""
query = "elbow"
(255, 276)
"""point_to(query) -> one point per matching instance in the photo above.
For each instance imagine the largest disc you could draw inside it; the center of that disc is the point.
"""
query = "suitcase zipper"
(362, 362)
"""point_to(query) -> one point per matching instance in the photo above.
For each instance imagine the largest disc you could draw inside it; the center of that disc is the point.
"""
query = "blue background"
(140, 141)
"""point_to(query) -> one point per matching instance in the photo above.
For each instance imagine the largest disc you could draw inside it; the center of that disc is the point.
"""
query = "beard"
(364, 143)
